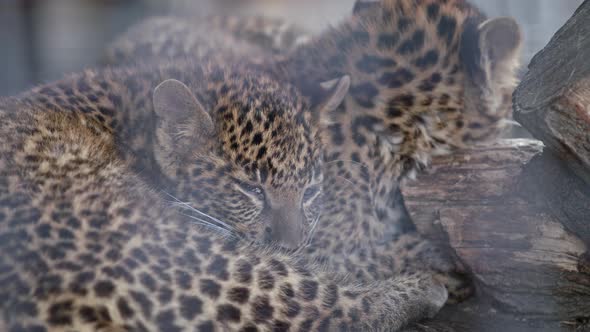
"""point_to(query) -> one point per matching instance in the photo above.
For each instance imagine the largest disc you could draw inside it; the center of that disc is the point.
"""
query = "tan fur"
(422, 83)
(87, 246)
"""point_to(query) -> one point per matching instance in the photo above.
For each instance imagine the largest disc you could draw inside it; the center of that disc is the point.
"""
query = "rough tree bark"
(516, 213)
(489, 207)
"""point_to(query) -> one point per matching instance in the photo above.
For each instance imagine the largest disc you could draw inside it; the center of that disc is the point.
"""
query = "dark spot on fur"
(324, 325)
(387, 41)
(60, 313)
(361, 37)
(165, 321)
(428, 60)
(279, 268)
(330, 296)
(124, 308)
(144, 302)
(265, 280)
(247, 129)
(243, 272)
(362, 6)
(148, 281)
(210, 288)
(190, 306)
(183, 279)
(261, 153)
(403, 24)
(206, 327)
(165, 295)
(413, 44)
(280, 326)
(446, 28)
(292, 309)
(433, 11)
(88, 314)
(308, 289)
(393, 111)
(43, 230)
(249, 328)
(25, 307)
(364, 94)
(257, 139)
(405, 100)
(430, 84)
(261, 309)
(104, 288)
(238, 294)
(218, 267)
(396, 79)
(228, 312)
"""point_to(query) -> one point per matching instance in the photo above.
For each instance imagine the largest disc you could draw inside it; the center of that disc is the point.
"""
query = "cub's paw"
(459, 285)
(426, 294)
(432, 295)
(422, 254)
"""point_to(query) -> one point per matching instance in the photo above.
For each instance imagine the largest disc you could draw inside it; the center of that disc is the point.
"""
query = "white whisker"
(191, 208)
(209, 225)
(345, 179)
(307, 243)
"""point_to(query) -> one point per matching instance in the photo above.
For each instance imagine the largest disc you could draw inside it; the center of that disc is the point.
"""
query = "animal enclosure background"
(41, 40)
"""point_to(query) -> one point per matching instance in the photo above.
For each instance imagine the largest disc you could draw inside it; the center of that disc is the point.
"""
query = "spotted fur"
(87, 246)
(170, 37)
(267, 150)
(427, 77)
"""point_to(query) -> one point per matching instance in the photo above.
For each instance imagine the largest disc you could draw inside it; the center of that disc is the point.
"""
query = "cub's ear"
(361, 6)
(182, 120)
(500, 40)
(490, 50)
(334, 92)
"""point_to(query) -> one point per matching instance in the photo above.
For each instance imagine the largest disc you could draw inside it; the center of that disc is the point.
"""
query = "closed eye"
(252, 190)
(311, 193)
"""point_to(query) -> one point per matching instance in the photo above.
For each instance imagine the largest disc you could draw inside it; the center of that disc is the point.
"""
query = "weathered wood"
(515, 215)
(553, 100)
(490, 204)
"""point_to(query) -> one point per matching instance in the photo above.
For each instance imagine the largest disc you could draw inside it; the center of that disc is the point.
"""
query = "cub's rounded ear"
(334, 91)
(361, 6)
(179, 111)
(500, 39)
(490, 50)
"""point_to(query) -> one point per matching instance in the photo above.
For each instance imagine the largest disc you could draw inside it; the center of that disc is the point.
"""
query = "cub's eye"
(252, 190)
(311, 192)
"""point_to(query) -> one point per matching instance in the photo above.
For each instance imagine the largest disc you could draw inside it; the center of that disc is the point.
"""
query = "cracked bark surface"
(494, 208)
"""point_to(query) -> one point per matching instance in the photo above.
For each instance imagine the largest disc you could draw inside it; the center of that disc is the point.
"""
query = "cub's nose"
(286, 227)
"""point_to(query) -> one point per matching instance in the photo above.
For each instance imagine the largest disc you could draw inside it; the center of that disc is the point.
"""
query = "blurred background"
(40, 40)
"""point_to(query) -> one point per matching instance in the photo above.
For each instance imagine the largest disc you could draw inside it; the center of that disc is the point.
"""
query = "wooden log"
(517, 215)
(492, 212)
(553, 103)
(553, 99)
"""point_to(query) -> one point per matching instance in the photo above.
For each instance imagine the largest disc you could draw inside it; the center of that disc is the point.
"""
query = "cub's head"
(248, 163)
(441, 65)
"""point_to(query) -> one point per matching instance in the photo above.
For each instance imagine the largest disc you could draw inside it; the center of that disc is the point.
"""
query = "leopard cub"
(233, 148)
